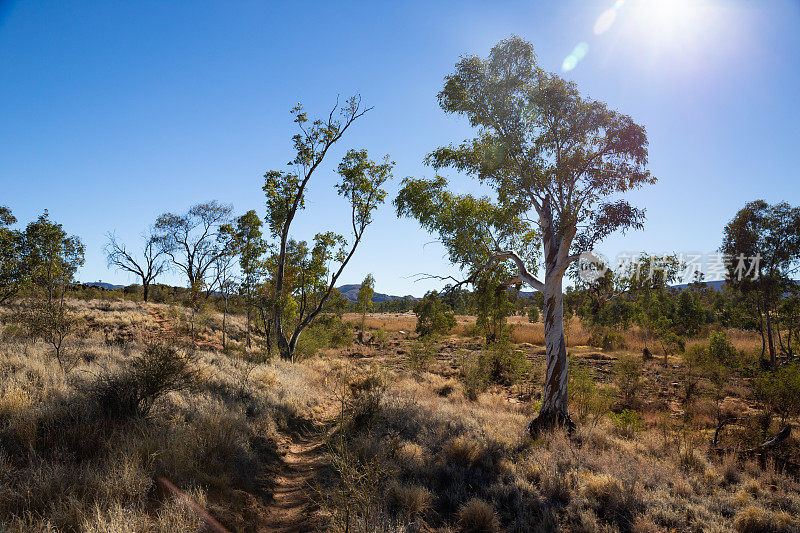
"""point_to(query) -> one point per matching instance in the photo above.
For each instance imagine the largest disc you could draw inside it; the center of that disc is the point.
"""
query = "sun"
(667, 21)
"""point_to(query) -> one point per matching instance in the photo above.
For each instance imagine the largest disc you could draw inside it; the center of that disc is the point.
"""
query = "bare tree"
(153, 261)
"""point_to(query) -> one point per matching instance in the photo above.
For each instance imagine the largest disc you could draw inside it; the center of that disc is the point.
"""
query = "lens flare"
(605, 21)
(578, 53)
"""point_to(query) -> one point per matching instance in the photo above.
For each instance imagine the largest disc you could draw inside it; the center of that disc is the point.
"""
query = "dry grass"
(484, 475)
(66, 465)
(422, 453)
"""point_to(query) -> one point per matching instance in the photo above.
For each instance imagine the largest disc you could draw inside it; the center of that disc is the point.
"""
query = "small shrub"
(612, 341)
(365, 404)
(606, 338)
(421, 352)
(626, 423)
(474, 376)
(627, 378)
(472, 330)
(52, 322)
(133, 391)
(500, 363)
(379, 337)
(779, 390)
(720, 349)
(408, 501)
(671, 342)
(753, 519)
(588, 399)
(477, 516)
(533, 314)
(326, 332)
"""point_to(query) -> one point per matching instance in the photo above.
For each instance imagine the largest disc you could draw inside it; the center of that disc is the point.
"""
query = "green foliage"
(251, 246)
(51, 257)
(311, 275)
(365, 293)
(779, 390)
(433, 315)
(11, 264)
(336, 304)
(505, 364)
(606, 338)
(627, 373)
(422, 352)
(500, 363)
(493, 303)
(379, 337)
(589, 401)
(326, 332)
(720, 349)
(689, 316)
(533, 314)
(555, 161)
(772, 233)
(626, 422)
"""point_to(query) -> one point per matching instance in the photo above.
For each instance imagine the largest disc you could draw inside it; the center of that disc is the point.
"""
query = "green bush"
(606, 338)
(504, 364)
(379, 337)
(328, 331)
(500, 363)
(627, 422)
(533, 314)
(433, 315)
(779, 390)
(720, 349)
(627, 378)
(588, 399)
(422, 351)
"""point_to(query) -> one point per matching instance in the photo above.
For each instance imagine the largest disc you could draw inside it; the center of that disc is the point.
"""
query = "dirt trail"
(293, 508)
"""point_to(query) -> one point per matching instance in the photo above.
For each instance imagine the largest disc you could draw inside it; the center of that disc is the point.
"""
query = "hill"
(351, 293)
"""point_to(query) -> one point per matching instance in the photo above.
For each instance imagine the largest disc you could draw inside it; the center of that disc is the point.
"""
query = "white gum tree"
(557, 164)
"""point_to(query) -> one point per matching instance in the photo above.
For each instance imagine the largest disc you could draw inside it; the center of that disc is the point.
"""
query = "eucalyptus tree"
(192, 241)
(556, 163)
(11, 265)
(51, 257)
(252, 247)
(152, 263)
(364, 301)
(763, 244)
(361, 182)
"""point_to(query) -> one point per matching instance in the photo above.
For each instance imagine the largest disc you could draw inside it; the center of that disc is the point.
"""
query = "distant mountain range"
(350, 292)
(102, 285)
(716, 285)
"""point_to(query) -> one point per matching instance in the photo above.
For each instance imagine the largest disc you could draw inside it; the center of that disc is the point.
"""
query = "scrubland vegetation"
(414, 433)
(257, 398)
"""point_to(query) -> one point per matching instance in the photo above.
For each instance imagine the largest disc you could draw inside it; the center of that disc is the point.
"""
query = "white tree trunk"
(554, 397)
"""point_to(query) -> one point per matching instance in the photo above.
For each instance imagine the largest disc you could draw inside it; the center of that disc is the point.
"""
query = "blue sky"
(114, 112)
